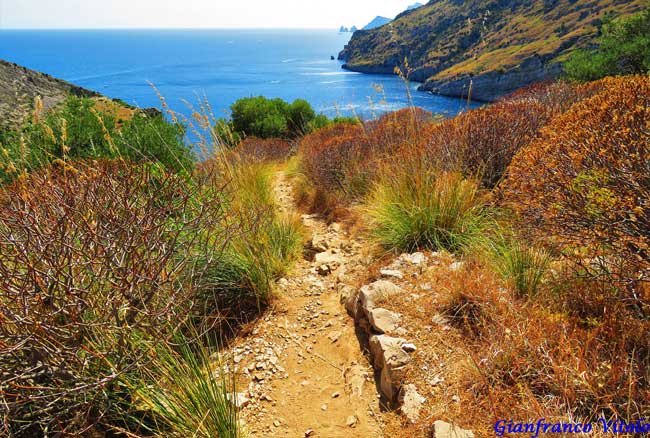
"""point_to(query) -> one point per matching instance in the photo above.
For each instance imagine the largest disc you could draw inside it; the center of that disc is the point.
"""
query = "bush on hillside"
(421, 208)
(584, 184)
(103, 262)
(97, 267)
(624, 49)
(253, 149)
(342, 160)
(79, 131)
(270, 118)
(481, 143)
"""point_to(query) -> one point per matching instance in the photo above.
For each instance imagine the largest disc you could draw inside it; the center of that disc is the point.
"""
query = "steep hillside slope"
(497, 45)
(19, 86)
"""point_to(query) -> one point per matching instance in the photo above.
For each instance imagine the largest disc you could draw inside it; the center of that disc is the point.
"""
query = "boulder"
(328, 259)
(409, 348)
(383, 321)
(442, 429)
(319, 243)
(349, 297)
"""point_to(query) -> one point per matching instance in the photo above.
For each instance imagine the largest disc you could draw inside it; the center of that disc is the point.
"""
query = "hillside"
(501, 45)
(19, 86)
(376, 22)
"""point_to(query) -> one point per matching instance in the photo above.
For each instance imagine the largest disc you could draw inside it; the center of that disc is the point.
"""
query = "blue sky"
(193, 13)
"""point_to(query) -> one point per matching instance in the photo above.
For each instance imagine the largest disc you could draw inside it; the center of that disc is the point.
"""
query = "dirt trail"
(302, 369)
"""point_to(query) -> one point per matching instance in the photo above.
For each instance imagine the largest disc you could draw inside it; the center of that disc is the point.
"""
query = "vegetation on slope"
(84, 128)
(544, 194)
(623, 49)
(123, 264)
(271, 118)
(446, 38)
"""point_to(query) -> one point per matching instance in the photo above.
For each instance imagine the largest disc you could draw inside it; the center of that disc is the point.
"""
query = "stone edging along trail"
(302, 371)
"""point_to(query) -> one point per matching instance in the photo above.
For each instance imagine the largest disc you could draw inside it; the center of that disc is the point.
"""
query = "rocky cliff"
(496, 45)
(19, 87)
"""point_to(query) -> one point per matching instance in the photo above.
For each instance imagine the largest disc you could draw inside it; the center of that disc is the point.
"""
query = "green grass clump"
(179, 395)
(520, 264)
(269, 245)
(425, 209)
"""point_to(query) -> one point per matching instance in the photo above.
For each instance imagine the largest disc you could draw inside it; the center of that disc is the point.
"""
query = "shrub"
(481, 143)
(269, 118)
(419, 208)
(327, 154)
(623, 49)
(299, 117)
(585, 185)
(99, 251)
(253, 149)
(79, 131)
(183, 396)
(271, 242)
(342, 160)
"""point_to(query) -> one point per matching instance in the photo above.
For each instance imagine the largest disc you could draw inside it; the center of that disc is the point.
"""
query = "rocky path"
(303, 373)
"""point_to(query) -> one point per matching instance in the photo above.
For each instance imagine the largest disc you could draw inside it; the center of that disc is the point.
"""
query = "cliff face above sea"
(496, 46)
(19, 87)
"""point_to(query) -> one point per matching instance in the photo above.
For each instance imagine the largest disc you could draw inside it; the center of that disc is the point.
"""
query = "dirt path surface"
(303, 373)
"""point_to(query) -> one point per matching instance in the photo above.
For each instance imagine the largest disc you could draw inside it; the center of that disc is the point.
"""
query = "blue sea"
(222, 65)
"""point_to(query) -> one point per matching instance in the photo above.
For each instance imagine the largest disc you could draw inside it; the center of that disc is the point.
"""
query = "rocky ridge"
(19, 87)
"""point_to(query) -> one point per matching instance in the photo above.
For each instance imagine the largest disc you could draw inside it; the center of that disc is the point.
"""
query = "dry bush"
(342, 161)
(482, 142)
(553, 364)
(253, 149)
(585, 185)
(530, 359)
(327, 155)
(98, 263)
(471, 300)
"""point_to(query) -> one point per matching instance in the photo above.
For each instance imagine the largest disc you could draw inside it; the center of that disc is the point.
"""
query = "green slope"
(497, 44)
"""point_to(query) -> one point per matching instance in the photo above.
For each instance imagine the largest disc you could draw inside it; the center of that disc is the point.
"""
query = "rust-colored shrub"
(98, 263)
(585, 184)
(329, 154)
(342, 160)
(262, 150)
(484, 141)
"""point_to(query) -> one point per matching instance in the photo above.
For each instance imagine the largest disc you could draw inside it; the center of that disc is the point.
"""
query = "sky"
(82, 14)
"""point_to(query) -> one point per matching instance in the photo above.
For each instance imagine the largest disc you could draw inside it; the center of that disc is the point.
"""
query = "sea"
(218, 65)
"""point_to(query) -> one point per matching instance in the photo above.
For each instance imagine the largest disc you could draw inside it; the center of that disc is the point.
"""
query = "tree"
(301, 114)
(623, 49)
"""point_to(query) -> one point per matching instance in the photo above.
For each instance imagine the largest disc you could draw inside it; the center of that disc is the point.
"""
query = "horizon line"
(335, 28)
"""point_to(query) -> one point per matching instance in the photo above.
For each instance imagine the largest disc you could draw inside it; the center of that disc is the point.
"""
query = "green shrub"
(271, 118)
(78, 131)
(624, 49)
(271, 243)
(413, 210)
(260, 117)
